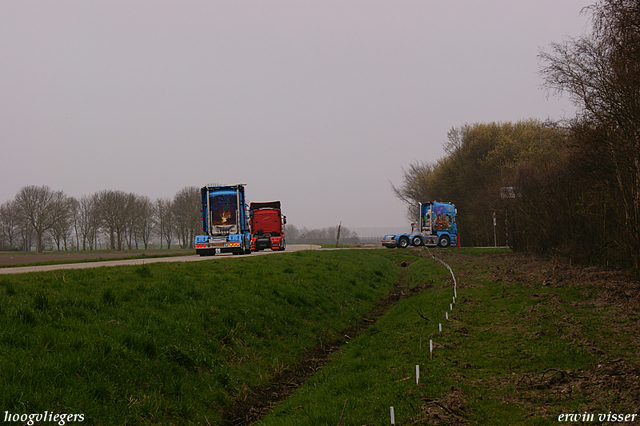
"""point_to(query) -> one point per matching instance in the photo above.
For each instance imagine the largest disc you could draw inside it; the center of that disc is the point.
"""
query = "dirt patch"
(607, 287)
(451, 409)
(600, 386)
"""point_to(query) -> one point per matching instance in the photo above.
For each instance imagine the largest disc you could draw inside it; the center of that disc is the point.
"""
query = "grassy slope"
(522, 346)
(173, 343)
(377, 369)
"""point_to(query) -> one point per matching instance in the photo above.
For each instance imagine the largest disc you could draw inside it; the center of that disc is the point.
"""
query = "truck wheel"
(417, 241)
(443, 241)
(403, 242)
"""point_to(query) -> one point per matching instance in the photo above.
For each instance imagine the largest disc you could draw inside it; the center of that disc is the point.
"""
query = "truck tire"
(443, 241)
(416, 241)
(403, 242)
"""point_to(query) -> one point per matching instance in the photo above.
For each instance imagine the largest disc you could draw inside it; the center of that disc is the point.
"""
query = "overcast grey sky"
(319, 104)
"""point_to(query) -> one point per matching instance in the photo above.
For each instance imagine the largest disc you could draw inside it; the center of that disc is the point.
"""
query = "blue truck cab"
(225, 221)
(436, 227)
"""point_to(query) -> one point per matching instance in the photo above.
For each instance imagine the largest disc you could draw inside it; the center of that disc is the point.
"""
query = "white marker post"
(393, 417)
(446, 314)
(440, 329)
(451, 306)
(431, 349)
(417, 374)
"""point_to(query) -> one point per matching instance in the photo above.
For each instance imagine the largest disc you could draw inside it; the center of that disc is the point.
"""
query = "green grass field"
(173, 343)
(182, 343)
(524, 344)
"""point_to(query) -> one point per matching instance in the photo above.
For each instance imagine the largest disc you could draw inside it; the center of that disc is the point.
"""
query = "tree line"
(40, 217)
(569, 188)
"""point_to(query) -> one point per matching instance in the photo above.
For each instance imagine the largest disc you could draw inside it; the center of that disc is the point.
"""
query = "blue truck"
(436, 227)
(225, 221)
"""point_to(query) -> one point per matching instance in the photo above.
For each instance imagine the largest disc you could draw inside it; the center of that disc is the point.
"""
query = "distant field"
(216, 342)
(9, 259)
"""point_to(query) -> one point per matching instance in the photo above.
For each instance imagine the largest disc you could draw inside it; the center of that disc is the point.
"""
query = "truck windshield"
(223, 209)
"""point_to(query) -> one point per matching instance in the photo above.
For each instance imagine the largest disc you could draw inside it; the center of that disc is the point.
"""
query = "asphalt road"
(194, 258)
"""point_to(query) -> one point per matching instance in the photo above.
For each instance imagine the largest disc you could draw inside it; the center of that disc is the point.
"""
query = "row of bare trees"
(40, 217)
(327, 235)
(571, 188)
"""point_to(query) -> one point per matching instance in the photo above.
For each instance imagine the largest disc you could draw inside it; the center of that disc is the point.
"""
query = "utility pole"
(495, 241)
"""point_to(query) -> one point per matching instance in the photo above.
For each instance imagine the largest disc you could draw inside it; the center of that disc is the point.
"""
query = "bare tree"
(145, 219)
(112, 208)
(62, 229)
(42, 208)
(9, 225)
(164, 220)
(74, 205)
(87, 220)
(186, 213)
(25, 232)
(131, 217)
(417, 186)
(292, 232)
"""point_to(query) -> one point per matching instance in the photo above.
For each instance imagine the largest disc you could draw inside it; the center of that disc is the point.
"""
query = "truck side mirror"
(284, 220)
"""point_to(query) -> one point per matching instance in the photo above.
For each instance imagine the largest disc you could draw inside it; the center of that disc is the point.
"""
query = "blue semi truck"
(436, 227)
(225, 221)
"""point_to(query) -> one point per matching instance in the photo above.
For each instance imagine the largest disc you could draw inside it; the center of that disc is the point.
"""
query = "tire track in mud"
(261, 399)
